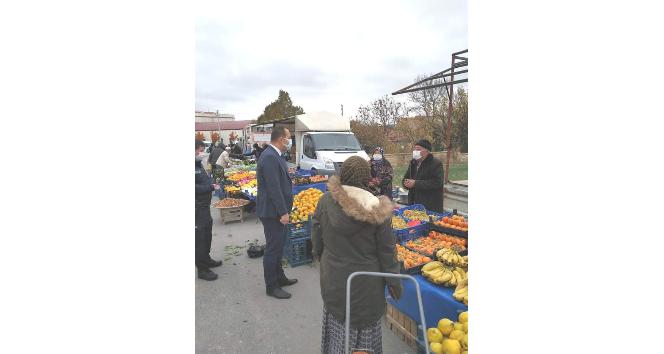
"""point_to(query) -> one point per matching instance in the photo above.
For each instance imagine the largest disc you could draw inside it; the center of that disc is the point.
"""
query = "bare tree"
(432, 105)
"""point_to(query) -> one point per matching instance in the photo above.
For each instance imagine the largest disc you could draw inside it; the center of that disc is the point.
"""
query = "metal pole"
(449, 129)
(384, 275)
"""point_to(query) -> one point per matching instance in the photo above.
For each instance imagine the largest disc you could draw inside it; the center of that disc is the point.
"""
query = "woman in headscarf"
(381, 173)
(351, 232)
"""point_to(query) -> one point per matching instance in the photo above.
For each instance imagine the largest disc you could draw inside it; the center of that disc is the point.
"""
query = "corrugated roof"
(227, 125)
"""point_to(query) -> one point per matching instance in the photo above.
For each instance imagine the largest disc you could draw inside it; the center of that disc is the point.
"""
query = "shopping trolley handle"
(384, 275)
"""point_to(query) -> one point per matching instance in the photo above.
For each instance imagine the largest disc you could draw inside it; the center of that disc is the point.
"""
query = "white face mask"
(289, 144)
(377, 157)
(416, 154)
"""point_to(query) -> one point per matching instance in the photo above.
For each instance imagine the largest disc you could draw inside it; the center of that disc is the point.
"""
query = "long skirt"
(334, 335)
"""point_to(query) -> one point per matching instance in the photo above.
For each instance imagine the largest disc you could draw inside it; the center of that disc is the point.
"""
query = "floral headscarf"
(382, 154)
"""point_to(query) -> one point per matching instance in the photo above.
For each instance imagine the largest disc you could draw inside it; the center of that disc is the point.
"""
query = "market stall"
(437, 300)
(433, 248)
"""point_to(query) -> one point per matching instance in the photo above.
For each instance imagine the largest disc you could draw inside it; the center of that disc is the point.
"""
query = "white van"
(322, 141)
(325, 152)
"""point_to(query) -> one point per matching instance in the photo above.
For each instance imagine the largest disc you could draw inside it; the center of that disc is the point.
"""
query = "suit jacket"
(275, 188)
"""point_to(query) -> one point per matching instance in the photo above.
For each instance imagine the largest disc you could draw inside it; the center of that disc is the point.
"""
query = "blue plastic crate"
(437, 216)
(410, 233)
(322, 186)
(419, 207)
(297, 251)
(299, 229)
(395, 193)
(303, 173)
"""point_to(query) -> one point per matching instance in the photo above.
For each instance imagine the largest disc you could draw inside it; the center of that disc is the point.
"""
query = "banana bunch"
(461, 292)
(438, 273)
(451, 257)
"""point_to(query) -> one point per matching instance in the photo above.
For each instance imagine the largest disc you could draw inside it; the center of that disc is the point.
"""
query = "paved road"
(233, 314)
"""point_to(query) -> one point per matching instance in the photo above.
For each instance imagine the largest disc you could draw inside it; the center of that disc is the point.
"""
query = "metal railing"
(384, 275)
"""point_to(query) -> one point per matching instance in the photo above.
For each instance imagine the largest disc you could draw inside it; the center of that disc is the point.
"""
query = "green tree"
(281, 108)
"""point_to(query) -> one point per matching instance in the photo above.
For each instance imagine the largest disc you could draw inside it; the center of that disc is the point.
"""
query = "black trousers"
(275, 237)
(203, 237)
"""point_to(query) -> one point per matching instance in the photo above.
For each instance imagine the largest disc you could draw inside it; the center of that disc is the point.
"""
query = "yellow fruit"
(458, 326)
(445, 326)
(463, 317)
(451, 346)
(464, 341)
(465, 327)
(457, 334)
(434, 335)
(436, 348)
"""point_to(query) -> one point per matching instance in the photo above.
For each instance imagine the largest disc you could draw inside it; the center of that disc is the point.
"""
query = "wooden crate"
(232, 214)
(403, 326)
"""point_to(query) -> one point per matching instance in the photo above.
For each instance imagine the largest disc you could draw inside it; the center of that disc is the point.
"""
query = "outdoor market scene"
(427, 222)
(326, 221)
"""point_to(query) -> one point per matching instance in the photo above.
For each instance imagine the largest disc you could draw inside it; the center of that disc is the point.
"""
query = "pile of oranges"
(304, 204)
(456, 222)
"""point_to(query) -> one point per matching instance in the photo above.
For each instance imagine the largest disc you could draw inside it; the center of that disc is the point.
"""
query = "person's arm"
(204, 185)
(387, 256)
(316, 234)
(435, 182)
(272, 185)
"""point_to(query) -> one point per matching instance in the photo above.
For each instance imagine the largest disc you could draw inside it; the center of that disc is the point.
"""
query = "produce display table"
(437, 300)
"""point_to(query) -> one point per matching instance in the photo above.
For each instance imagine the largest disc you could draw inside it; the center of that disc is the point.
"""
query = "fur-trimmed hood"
(359, 204)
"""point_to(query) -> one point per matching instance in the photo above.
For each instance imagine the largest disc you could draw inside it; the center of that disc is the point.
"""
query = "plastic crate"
(299, 229)
(303, 173)
(297, 251)
(433, 216)
(410, 233)
(419, 207)
(322, 186)
(395, 193)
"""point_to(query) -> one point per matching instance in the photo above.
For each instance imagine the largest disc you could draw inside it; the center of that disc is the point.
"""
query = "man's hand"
(284, 219)
(409, 183)
(216, 186)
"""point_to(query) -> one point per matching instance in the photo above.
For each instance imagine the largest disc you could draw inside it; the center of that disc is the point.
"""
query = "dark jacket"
(348, 237)
(383, 170)
(214, 155)
(204, 190)
(274, 197)
(257, 152)
(428, 189)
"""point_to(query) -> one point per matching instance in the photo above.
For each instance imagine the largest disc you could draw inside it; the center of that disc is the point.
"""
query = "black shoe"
(212, 263)
(279, 293)
(207, 275)
(287, 282)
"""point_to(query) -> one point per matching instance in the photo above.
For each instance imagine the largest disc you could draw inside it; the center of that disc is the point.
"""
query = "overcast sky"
(323, 53)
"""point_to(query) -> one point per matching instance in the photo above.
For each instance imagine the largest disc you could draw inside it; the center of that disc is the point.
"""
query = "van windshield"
(335, 142)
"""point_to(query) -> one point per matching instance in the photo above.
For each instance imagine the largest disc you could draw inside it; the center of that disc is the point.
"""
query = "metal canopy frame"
(458, 67)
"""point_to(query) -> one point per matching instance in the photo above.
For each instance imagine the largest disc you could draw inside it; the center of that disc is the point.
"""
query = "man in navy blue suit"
(274, 202)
